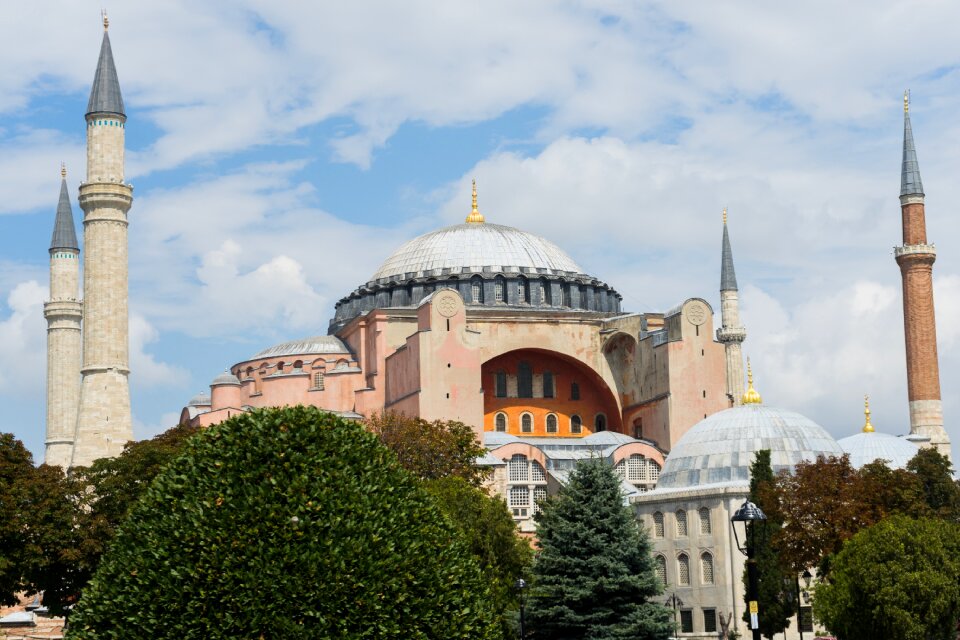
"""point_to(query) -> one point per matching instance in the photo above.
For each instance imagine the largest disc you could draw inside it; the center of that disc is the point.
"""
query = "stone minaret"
(730, 333)
(63, 312)
(104, 423)
(916, 257)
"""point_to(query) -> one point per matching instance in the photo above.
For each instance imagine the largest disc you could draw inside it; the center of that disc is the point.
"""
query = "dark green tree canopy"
(286, 523)
(594, 576)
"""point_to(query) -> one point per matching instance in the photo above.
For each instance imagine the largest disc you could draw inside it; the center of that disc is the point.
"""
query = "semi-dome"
(865, 448)
(473, 247)
(304, 346)
(721, 448)
(202, 399)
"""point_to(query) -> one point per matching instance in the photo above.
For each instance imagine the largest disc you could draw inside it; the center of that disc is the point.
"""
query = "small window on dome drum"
(476, 290)
(498, 289)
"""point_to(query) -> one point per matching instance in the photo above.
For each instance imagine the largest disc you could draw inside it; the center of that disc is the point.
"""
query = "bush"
(285, 523)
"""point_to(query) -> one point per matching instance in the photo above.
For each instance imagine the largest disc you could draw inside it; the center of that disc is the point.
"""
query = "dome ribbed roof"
(304, 346)
(225, 378)
(466, 246)
(865, 448)
(721, 448)
(202, 399)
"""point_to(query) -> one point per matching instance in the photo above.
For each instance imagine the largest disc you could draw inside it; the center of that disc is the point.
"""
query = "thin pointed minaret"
(104, 423)
(64, 313)
(731, 333)
(916, 257)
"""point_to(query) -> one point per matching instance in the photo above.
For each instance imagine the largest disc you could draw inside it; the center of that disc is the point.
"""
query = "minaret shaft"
(731, 333)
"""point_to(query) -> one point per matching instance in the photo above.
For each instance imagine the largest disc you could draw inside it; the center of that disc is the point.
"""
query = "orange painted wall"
(595, 397)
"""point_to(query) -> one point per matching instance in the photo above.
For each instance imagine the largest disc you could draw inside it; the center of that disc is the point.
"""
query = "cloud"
(146, 370)
(23, 342)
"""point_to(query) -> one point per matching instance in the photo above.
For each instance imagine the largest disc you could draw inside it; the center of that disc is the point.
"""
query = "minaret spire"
(730, 333)
(64, 314)
(916, 257)
(105, 94)
(867, 427)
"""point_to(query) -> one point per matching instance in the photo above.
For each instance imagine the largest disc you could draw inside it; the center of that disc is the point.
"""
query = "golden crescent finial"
(475, 215)
(751, 396)
(106, 21)
(867, 427)
(724, 215)
(63, 170)
(906, 101)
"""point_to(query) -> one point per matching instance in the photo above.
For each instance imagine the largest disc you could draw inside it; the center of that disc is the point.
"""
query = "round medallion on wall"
(447, 305)
(696, 313)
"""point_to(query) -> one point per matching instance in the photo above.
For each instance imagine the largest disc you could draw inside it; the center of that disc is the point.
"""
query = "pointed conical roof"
(105, 95)
(728, 277)
(64, 233)
(910, 182)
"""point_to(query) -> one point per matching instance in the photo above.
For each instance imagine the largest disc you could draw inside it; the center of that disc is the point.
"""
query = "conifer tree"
(777, 583)
(594, 576)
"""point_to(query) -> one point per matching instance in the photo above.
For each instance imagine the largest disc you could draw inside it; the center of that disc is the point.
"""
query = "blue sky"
(280, 152)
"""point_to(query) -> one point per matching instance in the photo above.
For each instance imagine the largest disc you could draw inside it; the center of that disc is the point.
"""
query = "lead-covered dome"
(720, 448)
(868, 447)
(472, 247)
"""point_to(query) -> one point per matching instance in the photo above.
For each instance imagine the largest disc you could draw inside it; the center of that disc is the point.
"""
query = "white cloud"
(146, 370)
(23, 342)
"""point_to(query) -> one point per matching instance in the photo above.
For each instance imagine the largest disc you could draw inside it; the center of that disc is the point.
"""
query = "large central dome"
(470, 247)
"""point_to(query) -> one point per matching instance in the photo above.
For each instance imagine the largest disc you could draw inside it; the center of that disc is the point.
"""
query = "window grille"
(576, 424)
(686, 620)
(658, 528)
(574, 391)
(710, 620)
(522, 290)
(662, 570)
(706, 566)
(519, 468)
(705, 527)
(526, 423)
(539, 495)
(681, 523)
(498, 289)
(551, 423)
(318, 379)
(653, 470)
(636, 468)
(519, 496)
(536, 472)
(683, 569)
(476, 291)
(501, 422)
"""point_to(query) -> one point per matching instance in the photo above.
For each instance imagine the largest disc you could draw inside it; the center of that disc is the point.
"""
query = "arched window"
(661, 568)
(551, 423)
(298, 365)
(681, 522)
(683, 569)
(653, 470)
(705, 527)
(537, 474)
(576, 424)
(476, 290)
(518, 468)
(658, 525)
(318, 380)
(501, 422)
(600, 422)
(574, 391)
(526, 423)
(547, 384)
(523, 290)
(539, 495)
(545, 292)
(583, 297)
(499, 288)
(280, 366)
(524, 380)
(636, 468)
(706, 567)
(501, 384)
(564, 295)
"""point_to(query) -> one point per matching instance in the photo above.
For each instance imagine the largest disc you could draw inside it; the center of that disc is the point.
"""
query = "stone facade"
(64, 313)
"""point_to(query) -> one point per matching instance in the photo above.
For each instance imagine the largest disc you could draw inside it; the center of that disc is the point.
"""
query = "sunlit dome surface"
(865, 448)
(721, 448)
(304, 346)
(473, 247)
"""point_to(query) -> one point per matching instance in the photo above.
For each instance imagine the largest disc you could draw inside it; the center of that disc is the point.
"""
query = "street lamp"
(521, 584)
(747, 517)
(675, 602)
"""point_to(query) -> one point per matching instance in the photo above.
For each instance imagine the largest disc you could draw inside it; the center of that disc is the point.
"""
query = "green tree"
(431, 450)
(777, 596)
(594, 576)
(286, 523)
(487, 527)
(896, 580)
(15, 463)
(940, 492)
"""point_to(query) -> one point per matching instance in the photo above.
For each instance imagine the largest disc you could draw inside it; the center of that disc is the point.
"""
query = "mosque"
(502, 330)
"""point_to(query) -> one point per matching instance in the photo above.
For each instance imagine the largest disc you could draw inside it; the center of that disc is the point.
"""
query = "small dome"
(202, 399)
(225, 378)
(304, 346)
(471, 247)
(869, 446)
(721, 448)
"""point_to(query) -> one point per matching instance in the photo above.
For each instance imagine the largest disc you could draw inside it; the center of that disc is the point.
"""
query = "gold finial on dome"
(906, 101)
(106, 21)
(63, 170)
(475, 215)
(724, 216)
(751, 396)
(867, 427)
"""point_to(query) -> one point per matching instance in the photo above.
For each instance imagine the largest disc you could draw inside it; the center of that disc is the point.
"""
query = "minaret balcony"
(915, 249)
(731, 334)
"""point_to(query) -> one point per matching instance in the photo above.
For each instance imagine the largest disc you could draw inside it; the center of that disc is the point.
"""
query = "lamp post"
(807, 577)
(747, 517)
(521, 584)
(675, 602)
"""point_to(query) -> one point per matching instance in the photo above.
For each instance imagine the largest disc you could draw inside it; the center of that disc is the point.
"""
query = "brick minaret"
(916, 257)
(730, 333)
(104, 422)
(64, 313)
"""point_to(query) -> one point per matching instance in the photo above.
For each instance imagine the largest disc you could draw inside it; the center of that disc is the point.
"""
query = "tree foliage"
(15, 463)
(896, 580)
(594, 576)
(285, 523)
(431, 450)
(777, 596)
